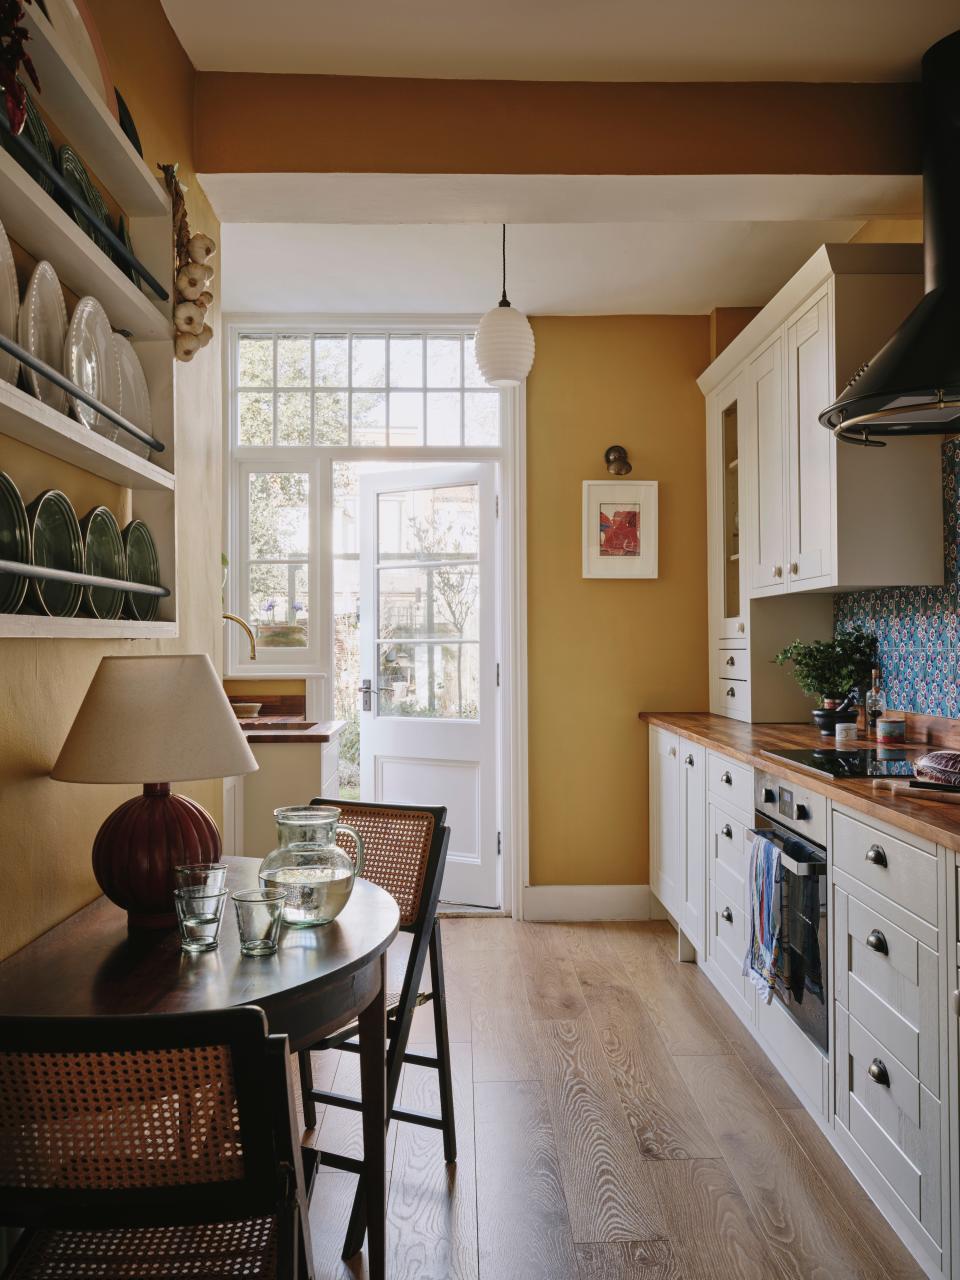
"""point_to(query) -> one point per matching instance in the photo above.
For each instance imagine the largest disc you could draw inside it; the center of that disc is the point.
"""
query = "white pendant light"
(504, 346)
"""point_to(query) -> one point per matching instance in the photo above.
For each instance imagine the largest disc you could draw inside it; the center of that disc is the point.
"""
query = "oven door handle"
(815, 866)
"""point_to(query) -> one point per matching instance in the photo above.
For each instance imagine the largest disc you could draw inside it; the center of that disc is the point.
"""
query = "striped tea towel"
(761, 962)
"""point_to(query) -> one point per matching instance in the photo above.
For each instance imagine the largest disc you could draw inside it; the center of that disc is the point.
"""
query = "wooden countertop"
(752, 743)
(321, 731)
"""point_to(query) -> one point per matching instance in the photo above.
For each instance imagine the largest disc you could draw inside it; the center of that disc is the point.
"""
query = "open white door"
(428, 660)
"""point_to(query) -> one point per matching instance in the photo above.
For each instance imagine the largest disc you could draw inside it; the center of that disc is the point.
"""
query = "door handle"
(366, 692)
(877, 942)
(876, 855)
(727, 914)
(878, 1072)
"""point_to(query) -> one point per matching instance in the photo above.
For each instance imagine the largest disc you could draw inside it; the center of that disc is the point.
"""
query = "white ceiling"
(552, 268)
(868, 40)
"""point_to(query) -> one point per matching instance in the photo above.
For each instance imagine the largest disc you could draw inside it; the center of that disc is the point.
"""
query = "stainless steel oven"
(795, 821)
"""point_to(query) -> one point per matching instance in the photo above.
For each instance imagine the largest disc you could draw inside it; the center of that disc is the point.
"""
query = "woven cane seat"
(208, 1251)
(396, 848)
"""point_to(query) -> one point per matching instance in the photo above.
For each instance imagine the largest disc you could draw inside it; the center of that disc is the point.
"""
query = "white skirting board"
(586, 902)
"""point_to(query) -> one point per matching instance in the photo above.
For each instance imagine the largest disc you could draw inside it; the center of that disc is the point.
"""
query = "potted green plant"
(833, 671)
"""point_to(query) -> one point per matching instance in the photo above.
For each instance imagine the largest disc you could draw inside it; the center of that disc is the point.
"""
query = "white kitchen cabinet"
(693, 841)
(811, 517)
(665, 818)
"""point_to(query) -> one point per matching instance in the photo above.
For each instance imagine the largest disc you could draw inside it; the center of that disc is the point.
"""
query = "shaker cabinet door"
(811, 450)
(665, 818)
(766, 500)
(693, 841)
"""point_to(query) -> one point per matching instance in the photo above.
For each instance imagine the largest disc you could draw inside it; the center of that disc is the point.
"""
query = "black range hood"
(911, 387)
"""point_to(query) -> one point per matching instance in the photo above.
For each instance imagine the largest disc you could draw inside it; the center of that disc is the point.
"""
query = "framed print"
(620, 528)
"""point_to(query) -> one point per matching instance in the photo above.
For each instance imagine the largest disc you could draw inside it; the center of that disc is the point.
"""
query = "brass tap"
(232, 617)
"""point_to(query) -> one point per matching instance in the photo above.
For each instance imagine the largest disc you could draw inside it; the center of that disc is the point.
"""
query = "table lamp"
(145, 719)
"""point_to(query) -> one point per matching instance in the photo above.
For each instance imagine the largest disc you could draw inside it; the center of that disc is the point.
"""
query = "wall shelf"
(80, 111)
(30, 420)
(37, 222)
(31, 626)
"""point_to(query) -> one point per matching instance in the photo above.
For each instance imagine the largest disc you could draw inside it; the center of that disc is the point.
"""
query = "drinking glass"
(199, 913)
(259, 912)
(205, 875)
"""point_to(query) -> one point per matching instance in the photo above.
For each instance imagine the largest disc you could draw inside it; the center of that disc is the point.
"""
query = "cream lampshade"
(153, 720)
(504, 345)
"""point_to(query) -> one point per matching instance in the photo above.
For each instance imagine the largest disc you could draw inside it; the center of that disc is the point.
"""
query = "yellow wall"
(48, 827)
(889, 231)
(600, 652)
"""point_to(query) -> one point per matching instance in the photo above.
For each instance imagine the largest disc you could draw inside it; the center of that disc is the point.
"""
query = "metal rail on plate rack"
(22, 570)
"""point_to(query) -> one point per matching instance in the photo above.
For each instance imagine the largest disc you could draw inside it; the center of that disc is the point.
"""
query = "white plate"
(134, 396)
(90, 360)
(42, 330)
(9, 307)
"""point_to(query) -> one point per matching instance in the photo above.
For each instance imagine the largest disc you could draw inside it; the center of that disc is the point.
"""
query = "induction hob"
(858, 762)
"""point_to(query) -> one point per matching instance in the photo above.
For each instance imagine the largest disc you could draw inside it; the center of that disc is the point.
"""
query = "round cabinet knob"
(876, 855)
(877, 942)
(727, 915)
(794, 569)
(688, 761)
(778, 570)
(727, 830)
(878, 1073)
(726, 778)
(741, 628)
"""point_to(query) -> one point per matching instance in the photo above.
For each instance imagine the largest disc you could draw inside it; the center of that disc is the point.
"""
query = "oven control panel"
(791, 804)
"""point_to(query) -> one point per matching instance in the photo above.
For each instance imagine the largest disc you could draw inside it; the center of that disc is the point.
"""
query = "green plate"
(142, 566)
(14, 544)
(75, 175)
(57, 543)
(123, 231)
(103, 555)
(35, 131)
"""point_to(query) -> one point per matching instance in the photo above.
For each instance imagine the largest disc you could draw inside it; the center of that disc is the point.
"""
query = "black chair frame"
(425, 944)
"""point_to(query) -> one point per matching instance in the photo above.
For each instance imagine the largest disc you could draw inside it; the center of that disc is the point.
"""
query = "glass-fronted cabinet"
(731, 511)
(729, 601)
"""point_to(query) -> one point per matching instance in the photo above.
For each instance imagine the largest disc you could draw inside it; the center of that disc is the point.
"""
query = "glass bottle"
(875, 702)
(317, 875)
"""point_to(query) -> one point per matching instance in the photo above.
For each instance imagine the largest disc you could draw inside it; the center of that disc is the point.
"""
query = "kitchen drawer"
(729, 843)
(891, 866)
(889, 982)
(733, 664)
(894, 1120)
(730, 783)
(726, 945)
(734, 697)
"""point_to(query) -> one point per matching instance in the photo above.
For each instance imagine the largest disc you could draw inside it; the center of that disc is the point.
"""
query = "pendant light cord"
(504, 302)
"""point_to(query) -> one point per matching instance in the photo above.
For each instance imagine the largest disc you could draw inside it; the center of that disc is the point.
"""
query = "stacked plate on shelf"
(86, 351)
(47, 532)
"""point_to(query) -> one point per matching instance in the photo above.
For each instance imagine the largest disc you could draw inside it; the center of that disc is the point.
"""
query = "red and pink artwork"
(619, 529)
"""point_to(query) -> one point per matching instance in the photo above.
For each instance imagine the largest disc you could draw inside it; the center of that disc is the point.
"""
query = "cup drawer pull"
(876, 855)
(727, 830)
(727, 914)
(727, 778)
(877, 942)
(878, 1073)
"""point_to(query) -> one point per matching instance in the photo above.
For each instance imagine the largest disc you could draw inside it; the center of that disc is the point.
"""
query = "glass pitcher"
(310, 866)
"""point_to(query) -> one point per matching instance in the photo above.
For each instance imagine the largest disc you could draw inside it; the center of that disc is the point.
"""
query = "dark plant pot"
(827, 718)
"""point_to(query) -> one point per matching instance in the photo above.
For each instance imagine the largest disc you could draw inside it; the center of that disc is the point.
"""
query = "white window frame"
(314, 661)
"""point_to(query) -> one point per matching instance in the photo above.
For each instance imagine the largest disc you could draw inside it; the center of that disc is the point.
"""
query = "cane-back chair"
(159, 1145)
(405, 850)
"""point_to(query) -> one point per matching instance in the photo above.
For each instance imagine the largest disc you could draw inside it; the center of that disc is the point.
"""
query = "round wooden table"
(318, 981)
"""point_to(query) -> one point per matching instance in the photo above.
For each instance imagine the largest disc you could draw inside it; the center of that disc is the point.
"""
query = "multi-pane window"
(363, 389)
(277, 561)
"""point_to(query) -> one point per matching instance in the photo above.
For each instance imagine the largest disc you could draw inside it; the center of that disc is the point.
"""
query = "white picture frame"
(620, 522)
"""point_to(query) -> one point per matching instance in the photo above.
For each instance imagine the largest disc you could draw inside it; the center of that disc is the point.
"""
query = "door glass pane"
(278, 605)
(406, 362)
(293, 361)
(254, 361)
(369, 362)
(430, 681)
(255, 412)
(279, 516)
(429, 524)
(330, 368)
(443, 362)
(430, 602)
(293, 417)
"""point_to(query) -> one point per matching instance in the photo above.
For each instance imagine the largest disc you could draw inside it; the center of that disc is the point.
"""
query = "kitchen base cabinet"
(665, 819)
(693, 842)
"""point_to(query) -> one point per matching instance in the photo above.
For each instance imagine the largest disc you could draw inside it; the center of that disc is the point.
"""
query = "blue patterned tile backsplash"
(918, 628)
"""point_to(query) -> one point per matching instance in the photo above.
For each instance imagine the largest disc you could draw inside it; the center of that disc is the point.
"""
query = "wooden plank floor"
(614, 1122)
